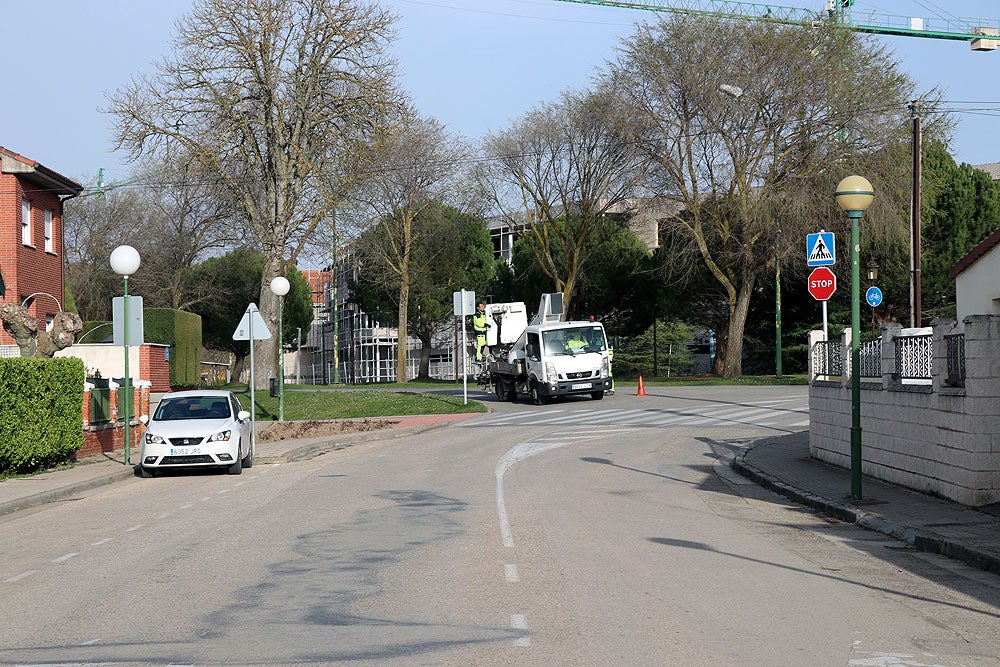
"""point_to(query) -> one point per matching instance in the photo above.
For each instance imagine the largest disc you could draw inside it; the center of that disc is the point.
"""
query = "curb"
(919, 539)
(54, 495)
(302, 453)
(312, 450)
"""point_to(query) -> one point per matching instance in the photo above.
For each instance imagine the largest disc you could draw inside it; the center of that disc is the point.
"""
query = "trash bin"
(274, 387)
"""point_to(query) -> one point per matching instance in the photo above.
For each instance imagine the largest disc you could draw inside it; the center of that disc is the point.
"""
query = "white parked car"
(193, 429)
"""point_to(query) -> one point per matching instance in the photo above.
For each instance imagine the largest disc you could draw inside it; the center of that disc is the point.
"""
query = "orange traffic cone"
(642, 388)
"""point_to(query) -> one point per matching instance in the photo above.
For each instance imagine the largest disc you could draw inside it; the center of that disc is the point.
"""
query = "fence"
(913, 359)
(928, 407)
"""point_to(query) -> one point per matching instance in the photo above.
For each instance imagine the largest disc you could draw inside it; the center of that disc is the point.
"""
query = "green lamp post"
(125, 261)
(854, 195)
(280, 287)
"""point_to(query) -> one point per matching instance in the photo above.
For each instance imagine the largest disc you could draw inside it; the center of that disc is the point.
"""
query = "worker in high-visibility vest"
(479, 327)
(575, 341)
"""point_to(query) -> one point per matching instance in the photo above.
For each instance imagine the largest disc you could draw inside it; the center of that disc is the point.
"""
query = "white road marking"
(520, 622)
(65, 557)
(101, 541)
(510, 572)
(516, 453)
(23, 575)
(135, 528)
(731, 416)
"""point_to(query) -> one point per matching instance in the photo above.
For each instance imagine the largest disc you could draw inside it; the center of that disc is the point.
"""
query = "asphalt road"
(579, 533)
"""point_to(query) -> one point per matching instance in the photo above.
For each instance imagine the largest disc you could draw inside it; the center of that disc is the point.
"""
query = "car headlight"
(153, 439)
(221, 436)
(550, 372)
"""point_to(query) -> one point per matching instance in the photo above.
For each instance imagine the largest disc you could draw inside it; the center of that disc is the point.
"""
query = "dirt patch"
(314, 428)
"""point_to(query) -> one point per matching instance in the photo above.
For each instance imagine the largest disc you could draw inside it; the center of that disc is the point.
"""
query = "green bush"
(41, 412)
(182, 332)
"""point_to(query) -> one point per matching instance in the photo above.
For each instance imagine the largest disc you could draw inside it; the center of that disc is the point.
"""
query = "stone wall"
(929, 437)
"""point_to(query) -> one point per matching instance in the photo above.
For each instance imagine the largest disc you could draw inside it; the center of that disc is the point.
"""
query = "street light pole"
(854, 195)
(125, 262)
(279, 286)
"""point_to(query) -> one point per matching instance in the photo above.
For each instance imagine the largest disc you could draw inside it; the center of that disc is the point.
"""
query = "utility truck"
(547, 357)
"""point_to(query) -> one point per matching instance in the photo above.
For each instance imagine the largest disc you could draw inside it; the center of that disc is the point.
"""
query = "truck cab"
(552, 358)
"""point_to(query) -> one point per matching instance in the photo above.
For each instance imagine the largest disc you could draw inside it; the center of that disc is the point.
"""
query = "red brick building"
(31, 235)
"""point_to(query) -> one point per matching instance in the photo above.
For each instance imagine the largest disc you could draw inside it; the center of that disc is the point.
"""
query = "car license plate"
(184, 451)
(582, 385)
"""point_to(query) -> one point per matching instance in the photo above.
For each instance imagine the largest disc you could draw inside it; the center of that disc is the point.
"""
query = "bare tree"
(557, 171)
(271, 97)
(747, 125)
(419, 165)
(94, 225)
(34, 341)
(189, 218)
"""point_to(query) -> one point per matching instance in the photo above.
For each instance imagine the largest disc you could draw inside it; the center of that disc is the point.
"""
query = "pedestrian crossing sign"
(820, 249)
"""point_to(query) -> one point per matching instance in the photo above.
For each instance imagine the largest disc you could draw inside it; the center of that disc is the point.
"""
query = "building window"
(49, 247)
(25, 222)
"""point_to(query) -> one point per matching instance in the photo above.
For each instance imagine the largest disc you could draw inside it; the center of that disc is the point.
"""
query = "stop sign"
(822, 283)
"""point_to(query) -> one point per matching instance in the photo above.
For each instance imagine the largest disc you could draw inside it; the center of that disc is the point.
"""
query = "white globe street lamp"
(280, 287)
(125, 262)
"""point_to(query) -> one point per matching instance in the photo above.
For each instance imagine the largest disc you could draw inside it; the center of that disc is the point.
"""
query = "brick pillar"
(845, 355)
(86, 404)
(113, 398)
(890, 331)
(942, 327)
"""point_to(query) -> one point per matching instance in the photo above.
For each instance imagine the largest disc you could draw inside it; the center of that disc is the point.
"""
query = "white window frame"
(25, 222)
(49, 243)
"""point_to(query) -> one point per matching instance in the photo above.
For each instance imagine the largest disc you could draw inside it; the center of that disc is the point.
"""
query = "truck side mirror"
(530, 350)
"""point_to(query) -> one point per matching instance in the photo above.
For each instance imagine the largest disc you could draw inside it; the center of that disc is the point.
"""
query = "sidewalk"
(25, 492)
(782, 464)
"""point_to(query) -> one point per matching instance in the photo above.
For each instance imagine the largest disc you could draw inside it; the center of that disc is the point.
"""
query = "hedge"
(182, 332)
(41, 412)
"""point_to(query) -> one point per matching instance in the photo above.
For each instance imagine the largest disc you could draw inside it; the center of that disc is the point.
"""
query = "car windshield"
(193, 407)
(575, 340)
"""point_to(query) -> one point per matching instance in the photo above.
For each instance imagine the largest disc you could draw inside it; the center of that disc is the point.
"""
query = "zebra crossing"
(785, 414)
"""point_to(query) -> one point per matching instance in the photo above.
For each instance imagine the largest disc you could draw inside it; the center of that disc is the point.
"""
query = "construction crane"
(982, 34)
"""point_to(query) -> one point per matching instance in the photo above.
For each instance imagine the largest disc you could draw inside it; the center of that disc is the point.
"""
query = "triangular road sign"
(253, 323)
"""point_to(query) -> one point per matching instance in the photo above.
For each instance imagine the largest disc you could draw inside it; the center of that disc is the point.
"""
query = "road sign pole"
(826, 333)
(253, 403)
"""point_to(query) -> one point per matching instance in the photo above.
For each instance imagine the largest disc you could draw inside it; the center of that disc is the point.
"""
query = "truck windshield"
(574, 340)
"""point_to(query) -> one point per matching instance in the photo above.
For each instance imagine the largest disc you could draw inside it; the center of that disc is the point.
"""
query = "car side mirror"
(143, 419)
(243, 415)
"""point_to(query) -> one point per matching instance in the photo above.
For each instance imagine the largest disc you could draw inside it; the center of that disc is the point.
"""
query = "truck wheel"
(498, 388)
(597, 395)
(536, 396)
(512, 394)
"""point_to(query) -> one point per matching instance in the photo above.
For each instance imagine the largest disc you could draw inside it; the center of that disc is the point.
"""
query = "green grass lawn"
(398, 399)
(338, 403)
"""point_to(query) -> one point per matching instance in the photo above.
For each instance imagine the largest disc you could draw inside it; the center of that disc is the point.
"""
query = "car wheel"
(248, 459)
(597, 395)
(536, 396)
(237, 467)
(145, 472)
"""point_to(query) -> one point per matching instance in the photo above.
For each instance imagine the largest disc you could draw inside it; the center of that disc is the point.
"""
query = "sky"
(474, 65)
